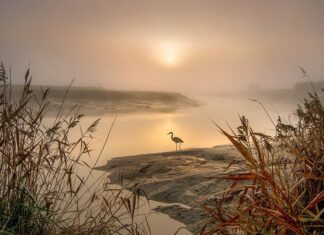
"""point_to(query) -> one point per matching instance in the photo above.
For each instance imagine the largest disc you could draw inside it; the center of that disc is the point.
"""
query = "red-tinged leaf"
(319, 198)
(283, 231)
(231, 187)
(229, 165)
(257, 146)
(274, 213)
(310, 176)
(242, 176)
(202, 231)
(239, 146)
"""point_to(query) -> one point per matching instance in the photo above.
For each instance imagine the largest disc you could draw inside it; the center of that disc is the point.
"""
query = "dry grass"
(283, 185)
(41, 188)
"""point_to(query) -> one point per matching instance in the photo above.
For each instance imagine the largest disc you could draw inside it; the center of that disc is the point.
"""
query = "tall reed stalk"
(283, 183)
(41, 188)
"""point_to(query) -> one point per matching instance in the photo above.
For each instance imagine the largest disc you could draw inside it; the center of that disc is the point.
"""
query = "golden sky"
(188, 45)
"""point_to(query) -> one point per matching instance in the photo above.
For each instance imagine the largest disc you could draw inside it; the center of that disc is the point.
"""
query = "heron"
(176, 140)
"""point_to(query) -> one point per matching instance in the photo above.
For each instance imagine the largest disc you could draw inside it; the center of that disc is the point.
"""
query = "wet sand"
(186, 179)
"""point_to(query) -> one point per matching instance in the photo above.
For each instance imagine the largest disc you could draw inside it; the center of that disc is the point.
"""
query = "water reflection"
(144, 133)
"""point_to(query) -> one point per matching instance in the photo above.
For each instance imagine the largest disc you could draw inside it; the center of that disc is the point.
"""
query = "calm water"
(144, 133)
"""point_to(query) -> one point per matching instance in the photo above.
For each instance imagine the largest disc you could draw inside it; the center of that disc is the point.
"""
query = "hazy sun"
(169, 53)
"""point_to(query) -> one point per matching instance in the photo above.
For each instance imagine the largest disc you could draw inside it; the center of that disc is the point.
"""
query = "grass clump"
(43, 187)
(281, 189)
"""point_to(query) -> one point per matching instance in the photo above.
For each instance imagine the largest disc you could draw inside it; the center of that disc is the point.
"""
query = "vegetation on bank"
(99, 102)
(42, 189)
(281, 192)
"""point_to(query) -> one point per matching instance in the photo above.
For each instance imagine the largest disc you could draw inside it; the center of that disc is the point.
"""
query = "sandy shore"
(185, 177)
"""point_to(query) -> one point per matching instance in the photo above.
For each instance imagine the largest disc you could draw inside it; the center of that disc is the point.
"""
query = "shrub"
(41, 188)
(282, 190)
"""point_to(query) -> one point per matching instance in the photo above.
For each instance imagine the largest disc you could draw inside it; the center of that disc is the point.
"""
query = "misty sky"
(163, 45)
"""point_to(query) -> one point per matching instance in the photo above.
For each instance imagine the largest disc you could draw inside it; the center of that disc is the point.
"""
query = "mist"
(161, 116)
(215, 45)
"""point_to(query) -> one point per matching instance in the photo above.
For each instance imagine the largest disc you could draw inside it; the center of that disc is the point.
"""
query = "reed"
(41, 188)
(282, 190)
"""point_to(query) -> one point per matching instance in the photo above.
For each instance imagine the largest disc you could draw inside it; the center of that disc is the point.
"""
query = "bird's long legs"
(179, 146)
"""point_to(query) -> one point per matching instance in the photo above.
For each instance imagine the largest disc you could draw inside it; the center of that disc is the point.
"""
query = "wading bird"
(176, 140)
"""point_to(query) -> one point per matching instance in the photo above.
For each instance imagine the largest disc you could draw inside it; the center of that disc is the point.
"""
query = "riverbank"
(185, 179)
(97, 101)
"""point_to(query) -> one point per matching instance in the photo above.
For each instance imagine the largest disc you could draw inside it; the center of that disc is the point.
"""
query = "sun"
(170, 59)
(169, 53)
